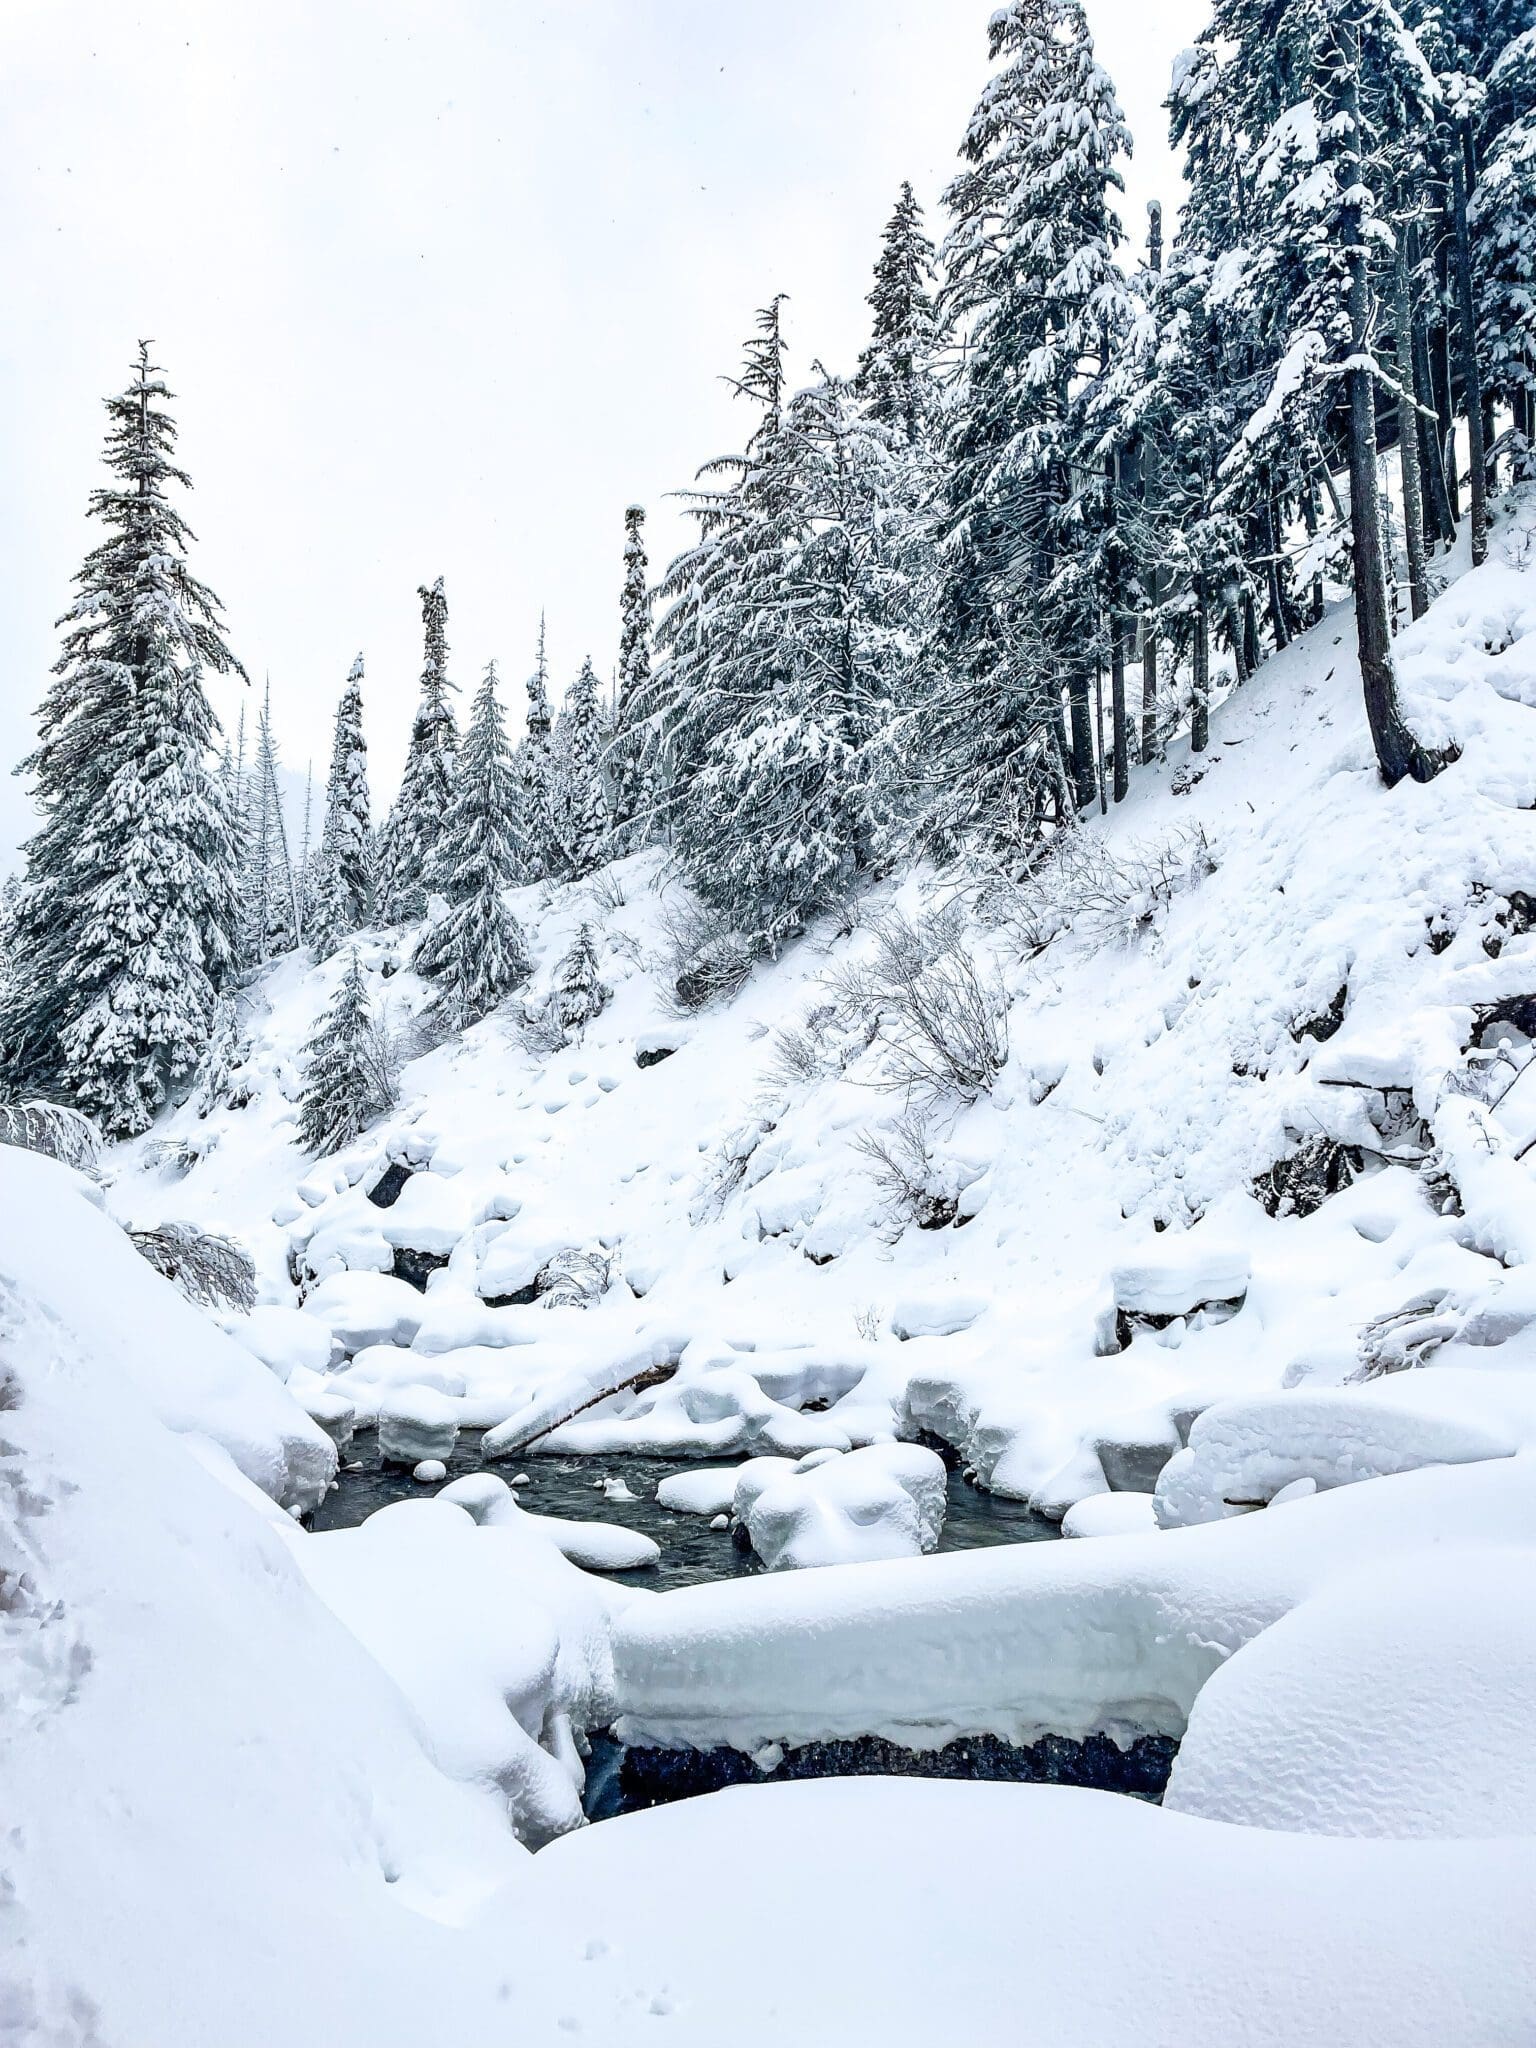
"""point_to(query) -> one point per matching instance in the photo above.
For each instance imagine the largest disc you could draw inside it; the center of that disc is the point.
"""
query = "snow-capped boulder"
(595, 1546)
(360, 1309)
(1241, 1453)
(711, 1491)
(431, 1215)
(1398, 1702)
(417, 1424)
(1179, 1276)
(887, 1500)
(1110, 1514)
(282, 1338)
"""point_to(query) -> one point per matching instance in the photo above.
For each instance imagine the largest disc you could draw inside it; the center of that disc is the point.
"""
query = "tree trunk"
(1309, 517)
(1440, 372)
(1408, 437)
(1279, 624)
(1083, 776)
(1200, 693)
(1437, 501)
(1471, 383)
(1398, 753)
(1098, 731)
(1119, 712)
(1149, 689)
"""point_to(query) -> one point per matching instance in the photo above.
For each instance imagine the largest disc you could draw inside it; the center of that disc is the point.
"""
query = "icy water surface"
(691, 1552)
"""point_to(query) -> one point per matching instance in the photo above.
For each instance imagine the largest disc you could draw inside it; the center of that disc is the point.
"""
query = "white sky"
(441, 286)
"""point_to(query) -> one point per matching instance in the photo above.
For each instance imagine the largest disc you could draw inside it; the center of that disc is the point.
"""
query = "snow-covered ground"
(258, 1780)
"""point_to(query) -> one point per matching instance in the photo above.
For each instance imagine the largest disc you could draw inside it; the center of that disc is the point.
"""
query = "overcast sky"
(441, 286)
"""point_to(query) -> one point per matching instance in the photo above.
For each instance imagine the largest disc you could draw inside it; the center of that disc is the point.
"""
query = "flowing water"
(691, 1552)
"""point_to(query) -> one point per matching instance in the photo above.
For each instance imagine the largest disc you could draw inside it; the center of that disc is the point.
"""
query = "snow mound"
(1110, 1514)
(1241, 1453)
(595, 1546)
(887, 1500)
(1399, 1702)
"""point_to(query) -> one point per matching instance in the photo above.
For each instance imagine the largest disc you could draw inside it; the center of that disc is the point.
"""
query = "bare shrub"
(942, 1024)
(1109, 896)
(866, 1321)
(800, 1053)
(215, 1272)
(707, 960)
(1405, 1337)
(574, 1279)
(607, 892)
(52, 1129)
(902, 1166)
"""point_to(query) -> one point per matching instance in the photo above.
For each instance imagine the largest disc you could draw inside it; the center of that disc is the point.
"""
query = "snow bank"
(1117, 1635)
(1399, 1702)
(57, 1245)
(1070, 1916)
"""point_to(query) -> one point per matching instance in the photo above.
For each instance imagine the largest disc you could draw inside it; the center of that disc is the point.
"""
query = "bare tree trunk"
(1083, 777)
(1149, 688)
(1277, 619)
(1119, 711)
(1438, 519)
(1466, 329)
(1408, 437)
(1440, 372)
(1237, 626)
(1309, 516)
(1098, 731)
(1398, 753)
(1200, 693)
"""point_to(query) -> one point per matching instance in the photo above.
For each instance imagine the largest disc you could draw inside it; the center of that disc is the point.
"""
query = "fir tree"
(1033, 284)
(582, 802)
(629, 756)
(126, 915)
(476, 951)
(269, 925)
(408, 865)
(346, 1083)
(580, 993)
(343, 882)
(541, 851)
(896, 372)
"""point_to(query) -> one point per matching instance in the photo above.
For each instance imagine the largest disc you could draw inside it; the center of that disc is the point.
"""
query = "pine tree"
(580, 993)
(896, 372)
(126, 916)
(269, 925)
(542, 855)
(476, 951)
(1502, 214)
(629, 755)
(344, 877)
(346, 1082)
(582, 805)
(1034, 287)
(408, 867)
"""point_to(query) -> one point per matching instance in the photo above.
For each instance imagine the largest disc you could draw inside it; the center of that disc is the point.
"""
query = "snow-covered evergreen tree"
(346, 1082)
(629, 757)
(581, 800)
(269, 900)
(542, 853)
(896, 377)
(1033, 288)
(476, 951)
(126, 916)
(579, 993)
(408, 868)
(344, 865)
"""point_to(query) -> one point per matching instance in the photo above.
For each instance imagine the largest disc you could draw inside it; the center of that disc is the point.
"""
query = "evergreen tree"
(343, 882)
(580, 993)
(1034, 287)
(269, 925)
(126, 915)
(542, 854)
(346, 1084)
(629, 755)
(408, 867)
(896, 372)
(582, 804)
(476, 951)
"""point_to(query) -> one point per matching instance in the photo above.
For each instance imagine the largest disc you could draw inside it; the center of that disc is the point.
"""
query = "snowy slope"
(1324, 983)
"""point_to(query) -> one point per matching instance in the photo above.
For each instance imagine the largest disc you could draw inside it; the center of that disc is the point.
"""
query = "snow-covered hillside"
(1231, 1264)
(1281, 962)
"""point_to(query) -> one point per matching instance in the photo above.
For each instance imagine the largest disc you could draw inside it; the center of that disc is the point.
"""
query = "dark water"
(691, 1552)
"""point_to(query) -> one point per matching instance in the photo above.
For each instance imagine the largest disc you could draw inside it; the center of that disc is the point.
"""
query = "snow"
(887, 1500)
(1110, 1514)
(1068, 1916)
(1398, 1702)
(415, 1425)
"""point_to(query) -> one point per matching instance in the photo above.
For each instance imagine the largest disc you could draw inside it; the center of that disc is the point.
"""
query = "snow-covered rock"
(360, 1309)
(711, 1491)
(1110, 1514)
(887, 1500)
(416, 1424)
(595, 1546)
